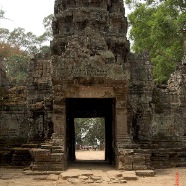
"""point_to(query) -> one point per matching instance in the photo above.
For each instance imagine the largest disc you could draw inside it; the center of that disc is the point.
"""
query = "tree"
(89, 131)
(97, 132)
(16, 47)
(15, 61)
(2, 14)
(4, 34)
(47, 35)
(156, 28)
(27, 42)
(17, 66)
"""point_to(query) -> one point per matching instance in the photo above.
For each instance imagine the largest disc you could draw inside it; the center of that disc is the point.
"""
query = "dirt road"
(16, 177)
(90, 155)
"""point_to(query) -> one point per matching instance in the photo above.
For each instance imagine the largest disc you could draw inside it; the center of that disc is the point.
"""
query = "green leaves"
(156, 28)
(17, 45)
(2, 14)
(47, 23)
(89, 131)
(17, 66)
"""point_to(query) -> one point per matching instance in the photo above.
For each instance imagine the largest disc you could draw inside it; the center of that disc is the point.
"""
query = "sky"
(27, 14)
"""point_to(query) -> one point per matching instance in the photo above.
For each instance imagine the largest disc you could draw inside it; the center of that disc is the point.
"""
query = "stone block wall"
(13, 113)
(169, 102)
(156, 116)
(14, 126)
(140, 96)
(39, 99)
(156, 112)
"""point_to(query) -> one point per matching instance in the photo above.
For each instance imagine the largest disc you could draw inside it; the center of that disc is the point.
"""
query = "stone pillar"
(121, 119)
(121, 112)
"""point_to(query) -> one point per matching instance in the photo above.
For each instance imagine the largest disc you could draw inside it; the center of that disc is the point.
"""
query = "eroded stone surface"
(129, 175)
(52, 177)
(149, 173)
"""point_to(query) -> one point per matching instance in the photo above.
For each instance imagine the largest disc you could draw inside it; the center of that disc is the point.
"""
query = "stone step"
(145, 173)
(46, 146)
(5, 156)
(88, 177)
(68, 175)
(181, 164)
(30, 145)
(21, 157)
(129, 175)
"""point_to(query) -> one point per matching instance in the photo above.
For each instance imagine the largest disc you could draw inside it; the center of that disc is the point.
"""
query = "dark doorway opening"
(90, 108)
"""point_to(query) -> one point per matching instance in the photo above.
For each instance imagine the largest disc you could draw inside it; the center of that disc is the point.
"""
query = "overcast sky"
(28, 14)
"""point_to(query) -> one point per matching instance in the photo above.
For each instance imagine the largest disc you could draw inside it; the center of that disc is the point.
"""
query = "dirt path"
(16, 177)
(90, 155)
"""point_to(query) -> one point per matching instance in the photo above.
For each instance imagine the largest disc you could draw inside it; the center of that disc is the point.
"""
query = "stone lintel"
(90, 92)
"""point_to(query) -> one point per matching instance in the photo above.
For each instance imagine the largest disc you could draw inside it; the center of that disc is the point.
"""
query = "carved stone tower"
(89, 71)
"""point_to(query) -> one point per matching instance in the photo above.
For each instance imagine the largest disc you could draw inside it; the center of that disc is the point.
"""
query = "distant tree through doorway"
(89, 136)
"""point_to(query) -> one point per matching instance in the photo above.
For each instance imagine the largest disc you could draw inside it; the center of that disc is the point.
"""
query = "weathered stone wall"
(24, 113)
(156, 118)
(169, 120)
(13, 113)
(140, 97)
(156, 112)
(13, 126)
(39, 99)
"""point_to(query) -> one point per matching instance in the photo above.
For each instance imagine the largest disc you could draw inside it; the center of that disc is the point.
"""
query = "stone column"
(121, 111)
(59, 116)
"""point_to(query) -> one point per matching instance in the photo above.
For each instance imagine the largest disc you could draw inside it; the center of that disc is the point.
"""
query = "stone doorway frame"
(91, 107)
(91, 88)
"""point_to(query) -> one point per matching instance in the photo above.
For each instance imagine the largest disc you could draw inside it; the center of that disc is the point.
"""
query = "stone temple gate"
(89, 76)
(92, 73)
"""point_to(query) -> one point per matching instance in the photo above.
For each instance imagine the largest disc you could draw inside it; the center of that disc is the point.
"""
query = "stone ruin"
(92, 73)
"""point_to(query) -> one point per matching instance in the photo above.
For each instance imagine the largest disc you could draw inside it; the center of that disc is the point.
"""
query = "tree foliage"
(15, 61)
(16, 47)
(47, 23)
(2, 14)
(157, 27)
(89, 131)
